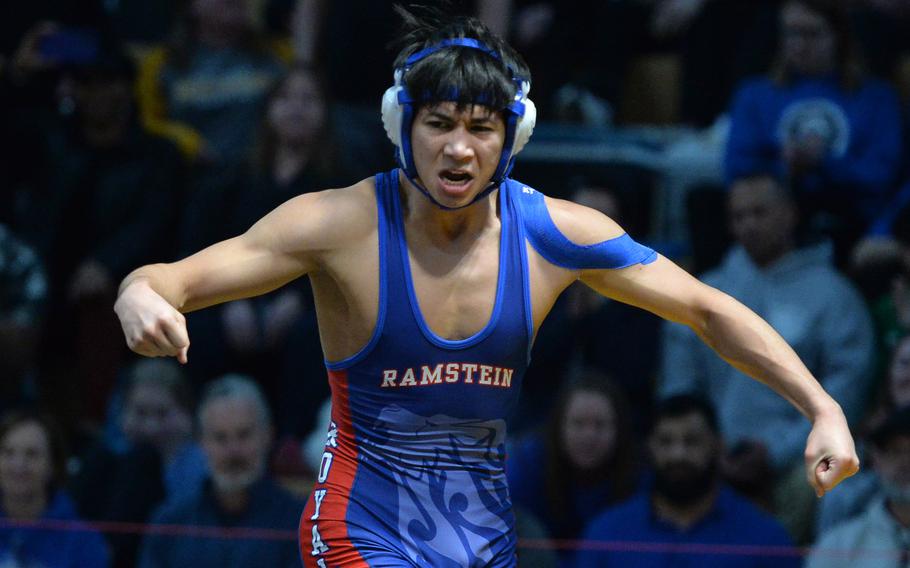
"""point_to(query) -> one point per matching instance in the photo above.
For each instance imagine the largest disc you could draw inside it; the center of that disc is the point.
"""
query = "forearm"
(160, 278)
(748, 343)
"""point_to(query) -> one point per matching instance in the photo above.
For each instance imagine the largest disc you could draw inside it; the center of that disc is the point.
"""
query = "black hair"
(619, 469)
(681, 405)
(324, 155)
(782, 186)
(459, 74)
(896, 424)
(848, 59)
(164, 373)
(15, 418)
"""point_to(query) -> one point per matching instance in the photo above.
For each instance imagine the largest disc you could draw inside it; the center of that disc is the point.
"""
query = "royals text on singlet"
(412, 472)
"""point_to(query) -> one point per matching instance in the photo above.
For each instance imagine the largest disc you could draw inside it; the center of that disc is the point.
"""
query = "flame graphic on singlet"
(453, 500)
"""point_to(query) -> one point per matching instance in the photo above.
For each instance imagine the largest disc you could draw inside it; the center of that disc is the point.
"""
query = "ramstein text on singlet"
(468, 373)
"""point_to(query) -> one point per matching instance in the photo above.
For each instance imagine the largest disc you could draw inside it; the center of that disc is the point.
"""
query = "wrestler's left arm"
(734, 331)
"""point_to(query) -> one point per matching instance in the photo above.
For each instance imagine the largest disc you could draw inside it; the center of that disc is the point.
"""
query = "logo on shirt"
(449, 373)
(818, 120)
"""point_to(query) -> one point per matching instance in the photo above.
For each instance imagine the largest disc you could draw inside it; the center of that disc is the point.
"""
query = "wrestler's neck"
(447, 227)
(684, 516)
(24, 506)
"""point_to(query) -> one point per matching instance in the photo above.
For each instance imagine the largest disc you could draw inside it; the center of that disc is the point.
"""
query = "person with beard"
(685, 516)
(879, 537)
(235, 432)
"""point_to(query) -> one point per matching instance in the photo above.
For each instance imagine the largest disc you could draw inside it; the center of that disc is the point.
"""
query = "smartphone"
(70, 45)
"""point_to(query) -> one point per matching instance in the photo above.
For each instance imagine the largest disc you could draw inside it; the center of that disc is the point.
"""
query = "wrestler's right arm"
(285, 244)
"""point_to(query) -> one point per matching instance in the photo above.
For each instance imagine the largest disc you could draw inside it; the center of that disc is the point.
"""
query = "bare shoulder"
(323, 220)
(580, 224)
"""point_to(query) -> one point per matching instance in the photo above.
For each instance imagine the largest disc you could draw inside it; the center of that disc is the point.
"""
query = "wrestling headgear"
(399, 106)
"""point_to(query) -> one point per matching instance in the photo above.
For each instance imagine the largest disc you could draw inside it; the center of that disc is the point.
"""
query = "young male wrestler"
(430, 283)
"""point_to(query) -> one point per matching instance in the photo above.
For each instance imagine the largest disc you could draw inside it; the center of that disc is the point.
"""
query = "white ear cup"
(525, 126)
(391, 114)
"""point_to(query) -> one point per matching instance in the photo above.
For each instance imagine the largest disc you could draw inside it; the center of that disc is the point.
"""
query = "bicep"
(277, 249)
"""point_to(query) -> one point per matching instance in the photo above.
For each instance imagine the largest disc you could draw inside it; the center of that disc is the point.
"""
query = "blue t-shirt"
(70, 546)
(734, 534)
(861, 131)
(272, 515)
(526, 472)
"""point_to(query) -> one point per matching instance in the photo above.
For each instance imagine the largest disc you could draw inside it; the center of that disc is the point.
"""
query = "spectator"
(296, 153)
(686, 504)
(235, 433)
(721, 43)
(100, 200)
(895, 389)
(816, 309)
(23, 293)
(861, 488)
(891, 310)
(584, 461)
(819, 122)
(119, 183)
(153, 461)
(38, 41)
(877, 538)
(32, 474)
(158, 410)
(206, 88)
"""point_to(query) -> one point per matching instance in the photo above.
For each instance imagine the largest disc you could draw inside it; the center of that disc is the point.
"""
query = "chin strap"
(426, 193)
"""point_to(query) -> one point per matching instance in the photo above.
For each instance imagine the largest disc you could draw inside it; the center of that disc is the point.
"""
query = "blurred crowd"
(137, 132)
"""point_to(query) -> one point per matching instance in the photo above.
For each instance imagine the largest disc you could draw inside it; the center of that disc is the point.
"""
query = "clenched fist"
(151, 325)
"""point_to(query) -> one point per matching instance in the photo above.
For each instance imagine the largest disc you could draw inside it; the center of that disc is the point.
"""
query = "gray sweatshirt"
(816, 310)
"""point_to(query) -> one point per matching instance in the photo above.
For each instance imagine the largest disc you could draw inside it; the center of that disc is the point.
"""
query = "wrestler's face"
(25, 460)
(236, 441)
(456, 150)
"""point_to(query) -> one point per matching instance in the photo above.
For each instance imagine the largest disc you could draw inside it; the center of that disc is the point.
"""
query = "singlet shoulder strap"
(385, 184)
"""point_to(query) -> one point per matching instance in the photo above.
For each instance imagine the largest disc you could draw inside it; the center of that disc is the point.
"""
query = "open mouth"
(455, 180)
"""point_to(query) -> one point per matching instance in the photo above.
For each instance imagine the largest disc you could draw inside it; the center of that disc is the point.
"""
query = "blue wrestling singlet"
(413, 469)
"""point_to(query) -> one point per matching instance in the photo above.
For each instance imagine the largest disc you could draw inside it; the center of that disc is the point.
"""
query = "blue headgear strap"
(515, 111)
